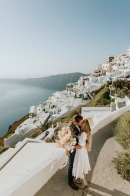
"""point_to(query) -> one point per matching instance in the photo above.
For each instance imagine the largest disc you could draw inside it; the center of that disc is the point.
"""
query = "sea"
(15, 102)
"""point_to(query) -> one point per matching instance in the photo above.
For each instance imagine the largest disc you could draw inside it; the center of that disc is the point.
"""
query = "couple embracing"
(78, 164)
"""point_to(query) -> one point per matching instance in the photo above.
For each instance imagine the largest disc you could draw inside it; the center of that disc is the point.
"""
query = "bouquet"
(66, 140)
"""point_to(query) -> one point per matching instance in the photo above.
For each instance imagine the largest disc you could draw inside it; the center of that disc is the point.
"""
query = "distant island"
(57, 82)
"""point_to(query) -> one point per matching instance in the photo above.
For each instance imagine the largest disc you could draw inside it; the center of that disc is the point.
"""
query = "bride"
(81, 165)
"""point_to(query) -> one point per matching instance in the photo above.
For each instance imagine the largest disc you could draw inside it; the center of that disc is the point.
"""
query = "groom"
(75, 129)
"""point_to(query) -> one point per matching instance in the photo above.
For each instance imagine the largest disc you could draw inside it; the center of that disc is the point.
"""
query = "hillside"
(57, 82)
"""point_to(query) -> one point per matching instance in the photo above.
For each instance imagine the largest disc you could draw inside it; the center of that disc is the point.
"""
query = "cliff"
(57, 82)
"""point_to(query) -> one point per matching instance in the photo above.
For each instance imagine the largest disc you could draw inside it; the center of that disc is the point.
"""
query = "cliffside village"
(25, 169)
(75, 94)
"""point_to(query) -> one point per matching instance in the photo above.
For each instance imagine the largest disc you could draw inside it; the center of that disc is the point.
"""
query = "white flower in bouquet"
(65, 139)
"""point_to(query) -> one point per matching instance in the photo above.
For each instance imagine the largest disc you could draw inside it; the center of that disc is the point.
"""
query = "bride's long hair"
(86, 128)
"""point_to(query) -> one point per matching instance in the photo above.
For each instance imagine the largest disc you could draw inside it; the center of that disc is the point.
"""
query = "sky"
(48, 37)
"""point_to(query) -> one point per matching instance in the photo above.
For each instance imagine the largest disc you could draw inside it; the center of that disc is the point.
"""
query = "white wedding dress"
(81, 165)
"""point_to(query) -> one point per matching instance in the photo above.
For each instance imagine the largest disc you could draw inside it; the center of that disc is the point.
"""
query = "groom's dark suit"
(75, 131)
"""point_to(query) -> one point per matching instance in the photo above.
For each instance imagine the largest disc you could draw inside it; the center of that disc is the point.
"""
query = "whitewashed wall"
(111, 117)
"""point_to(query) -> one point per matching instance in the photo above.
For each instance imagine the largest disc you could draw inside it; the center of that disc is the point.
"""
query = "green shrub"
(103, 102)
(122, 93)
(101, 98)
(122, 135)
(122, 130)
(104, 98)
(122, 164)
(105, 95)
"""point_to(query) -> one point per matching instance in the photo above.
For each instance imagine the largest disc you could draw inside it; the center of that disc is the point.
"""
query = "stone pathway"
(101, 177)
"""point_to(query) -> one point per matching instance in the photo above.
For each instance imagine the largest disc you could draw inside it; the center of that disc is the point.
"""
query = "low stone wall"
(30, 183)
(15, 138)
(110, 117)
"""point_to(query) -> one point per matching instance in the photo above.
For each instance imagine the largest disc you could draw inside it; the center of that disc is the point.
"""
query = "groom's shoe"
(73, 185)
